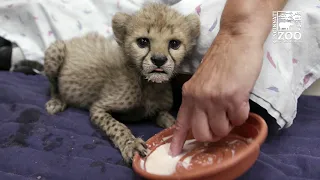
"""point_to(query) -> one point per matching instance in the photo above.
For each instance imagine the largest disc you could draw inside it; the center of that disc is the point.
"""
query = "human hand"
(216, 98)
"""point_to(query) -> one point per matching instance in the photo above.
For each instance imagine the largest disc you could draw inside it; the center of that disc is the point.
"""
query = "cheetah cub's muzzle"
(158, 67)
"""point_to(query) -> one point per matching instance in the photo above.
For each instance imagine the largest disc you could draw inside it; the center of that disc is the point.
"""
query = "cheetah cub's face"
(156, 38)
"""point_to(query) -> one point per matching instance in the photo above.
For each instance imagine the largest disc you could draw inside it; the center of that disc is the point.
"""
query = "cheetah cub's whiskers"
(125, 77)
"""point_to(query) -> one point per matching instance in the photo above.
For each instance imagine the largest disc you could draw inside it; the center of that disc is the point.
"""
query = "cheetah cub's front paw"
(136, 145)
(55, 105)
(165, 120)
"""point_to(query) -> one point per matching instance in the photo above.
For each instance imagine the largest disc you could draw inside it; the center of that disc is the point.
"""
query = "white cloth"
(288, 68)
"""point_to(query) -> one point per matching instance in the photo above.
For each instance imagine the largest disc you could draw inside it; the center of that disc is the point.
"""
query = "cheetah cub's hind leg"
(54, 57)
(119, 134)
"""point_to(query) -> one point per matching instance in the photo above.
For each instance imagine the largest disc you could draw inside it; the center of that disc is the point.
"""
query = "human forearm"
(211, 107)
(249, 18)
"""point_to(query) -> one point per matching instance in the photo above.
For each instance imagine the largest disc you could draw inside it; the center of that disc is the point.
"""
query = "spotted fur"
(116, 77)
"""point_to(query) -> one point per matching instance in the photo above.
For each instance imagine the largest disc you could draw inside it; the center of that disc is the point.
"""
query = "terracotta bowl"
(226, 159)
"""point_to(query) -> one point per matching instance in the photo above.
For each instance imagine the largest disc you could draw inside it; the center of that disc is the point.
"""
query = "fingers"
(210, 118)
(200, 126)
(239, 113)
(218, 121)
(182, 127)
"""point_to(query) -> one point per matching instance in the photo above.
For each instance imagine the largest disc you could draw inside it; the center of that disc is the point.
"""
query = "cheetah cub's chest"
(144, 100)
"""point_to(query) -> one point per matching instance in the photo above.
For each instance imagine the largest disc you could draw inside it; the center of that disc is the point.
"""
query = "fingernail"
(171, 152)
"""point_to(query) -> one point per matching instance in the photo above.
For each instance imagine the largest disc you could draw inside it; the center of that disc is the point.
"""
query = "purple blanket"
(35, 145)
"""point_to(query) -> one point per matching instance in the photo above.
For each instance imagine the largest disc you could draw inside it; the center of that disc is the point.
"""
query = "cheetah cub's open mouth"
(157, 39)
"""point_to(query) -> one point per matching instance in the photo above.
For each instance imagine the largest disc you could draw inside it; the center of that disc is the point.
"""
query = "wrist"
(225, 45)
(248, 40)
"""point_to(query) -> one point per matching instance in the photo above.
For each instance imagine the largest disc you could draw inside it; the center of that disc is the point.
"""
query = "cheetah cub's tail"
(53, 58)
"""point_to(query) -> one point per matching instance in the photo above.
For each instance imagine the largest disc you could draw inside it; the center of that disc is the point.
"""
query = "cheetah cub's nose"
(159, 60)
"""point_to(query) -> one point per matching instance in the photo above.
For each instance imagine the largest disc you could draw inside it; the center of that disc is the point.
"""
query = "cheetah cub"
(126, 75)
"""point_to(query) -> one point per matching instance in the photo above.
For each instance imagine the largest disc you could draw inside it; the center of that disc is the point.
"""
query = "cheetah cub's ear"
(194, 25)
(119, 26)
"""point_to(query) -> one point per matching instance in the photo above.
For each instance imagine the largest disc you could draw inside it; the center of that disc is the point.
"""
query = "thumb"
(182, 127)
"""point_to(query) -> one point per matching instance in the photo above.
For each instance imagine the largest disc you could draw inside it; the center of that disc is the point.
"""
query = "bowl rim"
(252, 147)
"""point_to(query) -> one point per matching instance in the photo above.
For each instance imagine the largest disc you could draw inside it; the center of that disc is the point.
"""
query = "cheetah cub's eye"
(174, 44)
(143, 42)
